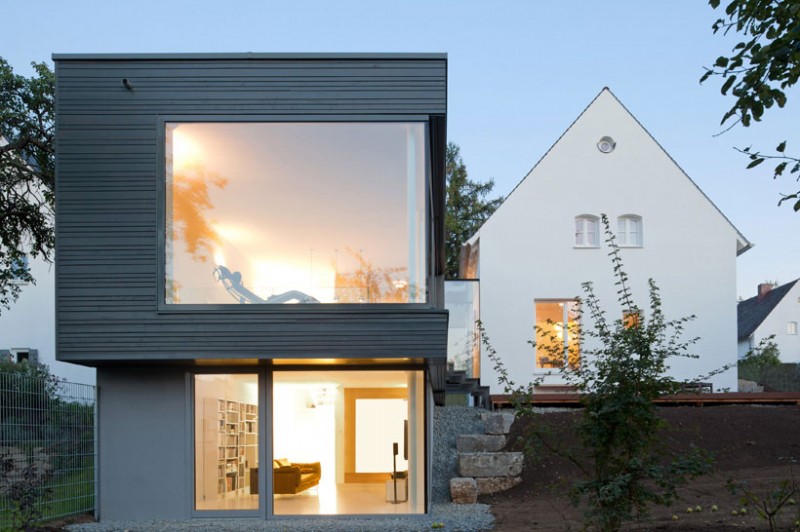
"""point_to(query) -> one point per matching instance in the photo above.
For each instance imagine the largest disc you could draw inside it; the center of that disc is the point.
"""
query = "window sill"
(585, 247)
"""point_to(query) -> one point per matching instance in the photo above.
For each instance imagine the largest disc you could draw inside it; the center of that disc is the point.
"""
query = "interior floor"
(325, 499)
(329, 499)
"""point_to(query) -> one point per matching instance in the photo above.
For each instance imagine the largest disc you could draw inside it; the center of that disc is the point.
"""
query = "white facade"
(783, 322)
(537, 248)
(30, 324)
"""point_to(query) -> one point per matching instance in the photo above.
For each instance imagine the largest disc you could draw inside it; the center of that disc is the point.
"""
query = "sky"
(519, 73)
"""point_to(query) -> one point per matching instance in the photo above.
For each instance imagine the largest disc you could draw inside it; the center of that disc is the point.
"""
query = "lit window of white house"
(629, 231)
(557, 334)
(791, 327)
(586, 234)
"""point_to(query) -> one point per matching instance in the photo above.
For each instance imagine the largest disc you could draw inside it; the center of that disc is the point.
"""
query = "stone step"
(487, 465)
(497, 422)
(472, 443)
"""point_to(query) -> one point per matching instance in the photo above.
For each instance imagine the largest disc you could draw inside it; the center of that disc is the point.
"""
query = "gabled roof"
(752, 312)
(742, 244)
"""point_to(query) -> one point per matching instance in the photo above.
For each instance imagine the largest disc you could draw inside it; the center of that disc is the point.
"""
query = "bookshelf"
(230, 436)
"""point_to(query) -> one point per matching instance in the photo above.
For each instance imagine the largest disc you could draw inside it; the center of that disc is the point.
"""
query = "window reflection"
(276, 213)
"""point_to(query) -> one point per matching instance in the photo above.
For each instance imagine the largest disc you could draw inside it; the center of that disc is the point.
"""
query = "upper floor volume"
(239, 188)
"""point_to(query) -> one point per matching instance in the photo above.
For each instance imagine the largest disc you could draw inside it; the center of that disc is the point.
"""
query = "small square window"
(791, 327)
(631, 319)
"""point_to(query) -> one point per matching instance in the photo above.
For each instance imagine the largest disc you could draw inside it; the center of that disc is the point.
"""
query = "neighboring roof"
(742, 243)
(752, 312)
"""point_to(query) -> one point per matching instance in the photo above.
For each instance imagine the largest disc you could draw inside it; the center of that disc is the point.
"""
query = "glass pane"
(295, 213)
(226, 442)
(463, 342)
(557, 334)
(333, 442)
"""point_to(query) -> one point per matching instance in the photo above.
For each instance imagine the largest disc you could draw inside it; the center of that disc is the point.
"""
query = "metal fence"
(47, 445)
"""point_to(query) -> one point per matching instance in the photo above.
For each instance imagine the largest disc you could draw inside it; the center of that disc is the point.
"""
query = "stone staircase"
(483, 467)
(465, 391)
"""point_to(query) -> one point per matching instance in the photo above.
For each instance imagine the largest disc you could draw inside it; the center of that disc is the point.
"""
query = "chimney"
(763, 290)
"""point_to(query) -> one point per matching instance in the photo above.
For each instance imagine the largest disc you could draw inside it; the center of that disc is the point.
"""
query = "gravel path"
(451, 517)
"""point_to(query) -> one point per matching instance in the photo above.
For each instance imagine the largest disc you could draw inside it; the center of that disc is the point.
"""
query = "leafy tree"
(766, 354)
(467, 207)
(761, 67)
(27, 173)
(622, 368)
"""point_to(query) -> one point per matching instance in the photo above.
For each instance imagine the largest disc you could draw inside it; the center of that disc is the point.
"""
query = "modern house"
(546, 239)
(772, 312)
(249, 251)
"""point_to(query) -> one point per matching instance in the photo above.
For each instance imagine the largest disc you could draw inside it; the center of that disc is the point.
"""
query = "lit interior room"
(356, 439)
(344, 442)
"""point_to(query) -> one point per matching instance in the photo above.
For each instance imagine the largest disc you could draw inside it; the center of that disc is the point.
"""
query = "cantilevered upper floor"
(252, 207)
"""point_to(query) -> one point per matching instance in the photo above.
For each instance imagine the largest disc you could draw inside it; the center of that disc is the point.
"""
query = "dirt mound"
(759, 445)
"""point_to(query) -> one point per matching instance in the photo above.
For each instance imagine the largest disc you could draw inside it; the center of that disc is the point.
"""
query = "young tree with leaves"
(27, 174)
(759, 70)
(467, 207)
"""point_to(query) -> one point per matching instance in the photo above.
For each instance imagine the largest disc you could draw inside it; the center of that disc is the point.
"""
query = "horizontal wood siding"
(107, 189)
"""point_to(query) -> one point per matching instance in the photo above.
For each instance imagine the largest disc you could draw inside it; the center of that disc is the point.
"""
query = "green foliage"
(622, 369)
(765, 355)
(761, 67)
(27, 173)
(26, 495)
(467, 207)
(769, 505)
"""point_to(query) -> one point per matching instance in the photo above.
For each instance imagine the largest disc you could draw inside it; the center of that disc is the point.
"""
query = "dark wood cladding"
(107, 296)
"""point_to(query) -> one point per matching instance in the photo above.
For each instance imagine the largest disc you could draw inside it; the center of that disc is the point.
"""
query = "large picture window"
(295, 212)
(348, 442)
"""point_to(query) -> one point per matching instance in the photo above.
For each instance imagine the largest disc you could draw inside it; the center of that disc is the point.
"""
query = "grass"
(72, 492)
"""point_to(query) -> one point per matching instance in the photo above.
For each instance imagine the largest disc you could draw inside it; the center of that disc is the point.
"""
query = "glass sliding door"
(348, 442)
(226, 441)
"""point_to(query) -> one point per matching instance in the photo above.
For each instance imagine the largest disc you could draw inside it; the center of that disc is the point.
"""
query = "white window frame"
(626, 238)
(791, 327)
(584, 238)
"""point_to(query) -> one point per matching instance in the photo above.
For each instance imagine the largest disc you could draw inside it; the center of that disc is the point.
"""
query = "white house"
(28, 328)
(533, 253)
(773, 311)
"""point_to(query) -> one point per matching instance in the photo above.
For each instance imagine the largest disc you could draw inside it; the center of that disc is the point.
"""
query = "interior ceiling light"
(606, 144)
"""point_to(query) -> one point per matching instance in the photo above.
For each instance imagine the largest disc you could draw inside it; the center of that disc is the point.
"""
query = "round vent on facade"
(606, 144)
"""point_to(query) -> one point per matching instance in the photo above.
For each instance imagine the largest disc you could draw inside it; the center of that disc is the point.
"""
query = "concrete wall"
(143, 459)
(527, 249)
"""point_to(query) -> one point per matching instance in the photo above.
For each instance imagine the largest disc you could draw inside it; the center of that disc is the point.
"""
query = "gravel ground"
(451, 517)
(449, 422)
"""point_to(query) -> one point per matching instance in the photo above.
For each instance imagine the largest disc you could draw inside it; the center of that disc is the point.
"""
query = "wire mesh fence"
(47, 446)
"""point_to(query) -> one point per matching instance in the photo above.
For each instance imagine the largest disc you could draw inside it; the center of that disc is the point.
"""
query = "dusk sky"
(519, 74)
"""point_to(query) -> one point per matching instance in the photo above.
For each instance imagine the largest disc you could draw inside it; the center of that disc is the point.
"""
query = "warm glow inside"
(330, 212)
(555, 342)
(347, 421)
(185, 150)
